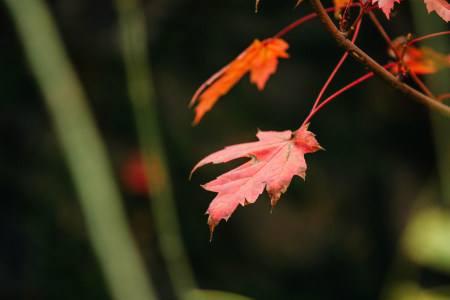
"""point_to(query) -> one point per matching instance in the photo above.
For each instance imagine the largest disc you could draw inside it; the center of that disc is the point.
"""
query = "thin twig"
(420, 83)
(383, 33)
(306, 18)
(336, 69)
(340, 91)
(368, 61)
(399, 56)
(428, 36)
(442, 97)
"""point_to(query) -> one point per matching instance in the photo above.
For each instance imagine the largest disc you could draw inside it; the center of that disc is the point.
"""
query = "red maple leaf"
(274, 160)
(441, 7)
(260, 59)
(386, 6)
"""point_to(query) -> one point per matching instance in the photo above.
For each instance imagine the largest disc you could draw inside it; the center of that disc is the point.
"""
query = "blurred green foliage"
(427, 238)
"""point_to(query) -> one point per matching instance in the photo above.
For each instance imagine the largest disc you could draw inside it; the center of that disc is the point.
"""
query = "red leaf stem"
(306, 18)
(342, 90)
(336, 69)
(428, 36)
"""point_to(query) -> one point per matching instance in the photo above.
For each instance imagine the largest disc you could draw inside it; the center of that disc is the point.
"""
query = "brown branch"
(368, 61)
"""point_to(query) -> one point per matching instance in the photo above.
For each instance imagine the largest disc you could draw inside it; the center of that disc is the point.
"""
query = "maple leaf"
(274, 160)
(386, 6)
(260, 59)
(425, 60)
(441, 7)
(420, 60)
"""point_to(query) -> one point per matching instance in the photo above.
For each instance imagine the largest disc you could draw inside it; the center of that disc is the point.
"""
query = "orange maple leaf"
(260, 59)
(425, 60)
(420, 60)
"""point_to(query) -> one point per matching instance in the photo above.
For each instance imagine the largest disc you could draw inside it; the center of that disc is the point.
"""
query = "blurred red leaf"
(420, 60)
(134, 175)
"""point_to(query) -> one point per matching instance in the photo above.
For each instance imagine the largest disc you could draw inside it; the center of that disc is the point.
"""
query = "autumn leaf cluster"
(278, 156)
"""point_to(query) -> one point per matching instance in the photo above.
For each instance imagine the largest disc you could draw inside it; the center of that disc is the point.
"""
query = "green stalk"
(141, 92)
(426, 24)
(84, 151)
(425, 238)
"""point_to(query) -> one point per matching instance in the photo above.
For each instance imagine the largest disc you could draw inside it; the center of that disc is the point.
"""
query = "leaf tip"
(298, 3)
(193, 170)
(275, 196)
(197, 118)
(212, 225)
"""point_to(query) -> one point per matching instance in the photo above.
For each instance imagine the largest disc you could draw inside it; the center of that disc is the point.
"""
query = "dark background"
(335, 236)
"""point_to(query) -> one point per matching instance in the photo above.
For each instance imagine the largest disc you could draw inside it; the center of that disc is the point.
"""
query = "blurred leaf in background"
(427, 238)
